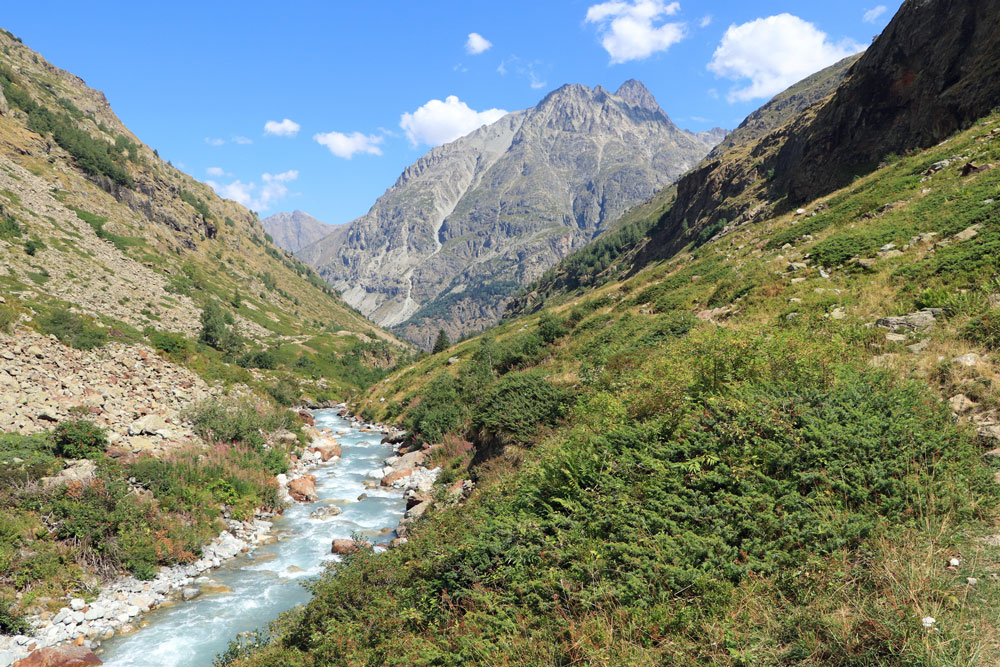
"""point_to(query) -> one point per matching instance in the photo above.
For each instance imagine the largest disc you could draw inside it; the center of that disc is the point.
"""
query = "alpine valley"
(694, 399)
(467, 226)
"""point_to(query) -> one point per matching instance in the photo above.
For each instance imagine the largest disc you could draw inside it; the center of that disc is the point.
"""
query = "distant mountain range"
(473, 221)
(296, 230)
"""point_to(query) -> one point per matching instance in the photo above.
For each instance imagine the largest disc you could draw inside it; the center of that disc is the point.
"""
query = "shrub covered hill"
(772, 444)
(132, 301)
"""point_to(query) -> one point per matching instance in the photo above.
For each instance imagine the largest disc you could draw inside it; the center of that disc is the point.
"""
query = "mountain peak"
(634, 92)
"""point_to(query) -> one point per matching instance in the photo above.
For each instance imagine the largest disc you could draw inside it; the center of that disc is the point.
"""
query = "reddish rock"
(62, 656)
(343, 547)
(303, 489)
(307, 417)
(396, 474)
(327, 448)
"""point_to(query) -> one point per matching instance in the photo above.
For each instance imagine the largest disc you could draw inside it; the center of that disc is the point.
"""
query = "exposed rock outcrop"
(472, 221)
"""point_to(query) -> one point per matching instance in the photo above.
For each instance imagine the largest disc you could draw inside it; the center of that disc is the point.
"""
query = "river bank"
(122, 604)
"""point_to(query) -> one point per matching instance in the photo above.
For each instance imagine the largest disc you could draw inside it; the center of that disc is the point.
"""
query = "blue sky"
(211, 84)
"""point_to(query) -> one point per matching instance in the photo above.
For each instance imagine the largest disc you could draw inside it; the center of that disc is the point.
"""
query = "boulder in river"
(61, 656)
(326, 512)
(303, 489)
(327, 448)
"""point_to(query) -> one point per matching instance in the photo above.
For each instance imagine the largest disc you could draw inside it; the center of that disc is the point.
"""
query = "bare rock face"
(296, 230)
(931, 73)
(472, 221)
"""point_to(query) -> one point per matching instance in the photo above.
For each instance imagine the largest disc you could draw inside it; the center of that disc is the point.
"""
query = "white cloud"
(438, 122)
(636, 29)
(286, 128)
(215, 171)
(242, 140)
(476, 44)
(272, 188)
(705, 21)
(773, 53)
(346, 145)
(283, 177)
(873, 15)
(214, 141)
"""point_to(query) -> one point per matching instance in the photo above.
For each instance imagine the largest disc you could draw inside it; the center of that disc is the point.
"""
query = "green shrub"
(171, 343)
(7, 318)
(79, 438)
(218, 329)
(516, 405)
(71, 329)
(438, 411)
(984, 330)
(551, 328)
(264, 359)
(10, 228)
(238, 422)
(32, 246)
(285, 392)
(12, 621)
(26, 457)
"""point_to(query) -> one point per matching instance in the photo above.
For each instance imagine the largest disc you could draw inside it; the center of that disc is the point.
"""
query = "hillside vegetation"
(92, 221)
(760, 451)
(152, 339)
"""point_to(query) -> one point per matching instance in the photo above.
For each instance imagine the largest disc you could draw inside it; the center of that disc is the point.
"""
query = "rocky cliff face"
(473, 221)
(294, 231)
(933, 71)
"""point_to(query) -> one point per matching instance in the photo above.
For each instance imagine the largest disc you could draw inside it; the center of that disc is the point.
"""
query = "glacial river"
(269, 580)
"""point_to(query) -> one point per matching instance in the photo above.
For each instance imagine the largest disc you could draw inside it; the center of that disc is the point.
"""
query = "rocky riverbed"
(122, 606)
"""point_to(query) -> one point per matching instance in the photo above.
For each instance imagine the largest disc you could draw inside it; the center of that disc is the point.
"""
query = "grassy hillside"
(153, 338)
(95, 222)
(730, 457)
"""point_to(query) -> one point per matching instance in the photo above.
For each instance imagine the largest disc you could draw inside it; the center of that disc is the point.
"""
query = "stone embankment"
(138, 396)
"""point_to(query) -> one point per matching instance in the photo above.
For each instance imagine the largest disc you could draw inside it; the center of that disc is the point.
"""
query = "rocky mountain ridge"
(296, 230)
(471, 222)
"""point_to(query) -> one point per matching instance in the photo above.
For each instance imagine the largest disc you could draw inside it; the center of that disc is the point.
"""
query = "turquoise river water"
(269, 580)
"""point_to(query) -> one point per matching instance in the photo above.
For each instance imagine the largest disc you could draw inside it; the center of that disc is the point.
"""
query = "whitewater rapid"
(268, 580)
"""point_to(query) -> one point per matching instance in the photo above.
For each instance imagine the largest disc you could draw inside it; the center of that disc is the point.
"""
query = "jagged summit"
(472, 221)
(634, 92)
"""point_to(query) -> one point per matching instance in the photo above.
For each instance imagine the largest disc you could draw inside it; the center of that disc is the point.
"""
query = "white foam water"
(269, 580)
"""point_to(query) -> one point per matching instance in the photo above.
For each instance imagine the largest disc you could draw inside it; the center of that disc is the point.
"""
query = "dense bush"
(551, 328)
(71, 329)
(264, 359)
(285, 392)
(218, 329)
(438, 411)
(26, 457)
(12, 622)
(516, 405)
(171, 343)
(985, 330)
(79, 439)
(240, 422)
(9, 227)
